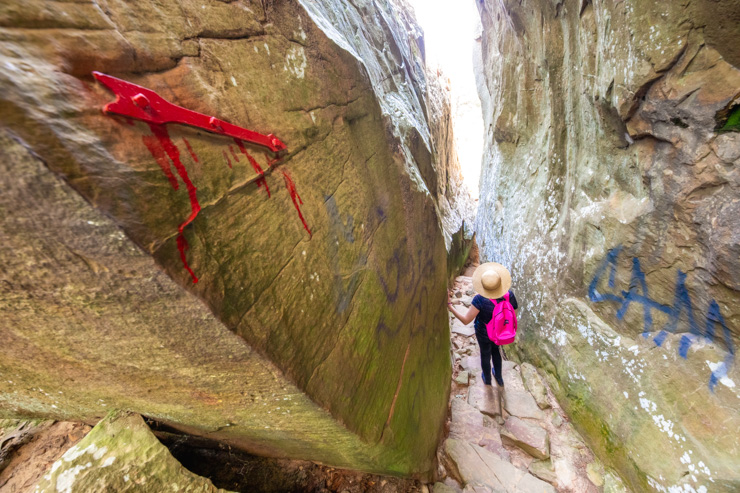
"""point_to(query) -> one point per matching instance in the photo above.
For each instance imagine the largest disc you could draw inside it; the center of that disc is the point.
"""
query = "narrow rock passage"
(515, 439)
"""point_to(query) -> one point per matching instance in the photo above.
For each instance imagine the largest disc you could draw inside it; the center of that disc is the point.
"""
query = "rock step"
(531, 438)
(534, 384)
(474, 465)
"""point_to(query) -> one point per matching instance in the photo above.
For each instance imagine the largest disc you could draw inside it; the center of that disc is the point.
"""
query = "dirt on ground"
(29, 448)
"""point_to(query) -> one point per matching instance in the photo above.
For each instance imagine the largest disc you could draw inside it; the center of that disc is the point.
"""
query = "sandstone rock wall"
(329, 268)
(610, 188)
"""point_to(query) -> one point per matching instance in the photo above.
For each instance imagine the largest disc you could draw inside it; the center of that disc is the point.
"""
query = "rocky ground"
(125, 453)
(515, 439)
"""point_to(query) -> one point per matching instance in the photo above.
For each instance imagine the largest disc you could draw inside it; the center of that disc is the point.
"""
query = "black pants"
(489, 351)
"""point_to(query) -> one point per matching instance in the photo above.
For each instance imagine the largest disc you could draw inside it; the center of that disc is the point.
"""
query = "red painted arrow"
(133, 101)
(138, 102)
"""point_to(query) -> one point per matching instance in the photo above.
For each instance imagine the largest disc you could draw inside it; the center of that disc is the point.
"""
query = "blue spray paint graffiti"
(342, 228)
(638, 293)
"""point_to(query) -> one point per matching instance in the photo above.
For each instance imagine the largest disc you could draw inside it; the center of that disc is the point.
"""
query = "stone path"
(513, 440)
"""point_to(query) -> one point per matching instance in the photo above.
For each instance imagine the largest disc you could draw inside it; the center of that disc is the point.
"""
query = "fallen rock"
(477, 466)
(459, 328)
(472, 426)
(531, 438)
(121, 454)
(462, 378)
(472, 364)
(532, 484)
(544, 470)
(477, 488)
(566, 471)
(569, 462)
(443, 488)
(485, 399)
(451, 482)
(594, 474)
(614, 484)
(534, 384)
(512, 378)
(521, 404)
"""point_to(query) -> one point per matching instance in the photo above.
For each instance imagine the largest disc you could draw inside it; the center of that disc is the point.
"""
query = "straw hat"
(491, 280)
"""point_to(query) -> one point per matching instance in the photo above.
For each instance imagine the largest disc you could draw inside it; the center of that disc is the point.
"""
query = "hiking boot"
(499, 380)
(485, 382)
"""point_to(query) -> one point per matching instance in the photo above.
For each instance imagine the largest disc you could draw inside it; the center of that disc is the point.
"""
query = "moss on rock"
(121, 454)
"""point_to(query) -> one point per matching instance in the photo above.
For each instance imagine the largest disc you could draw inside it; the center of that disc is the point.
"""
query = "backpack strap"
(505, 297)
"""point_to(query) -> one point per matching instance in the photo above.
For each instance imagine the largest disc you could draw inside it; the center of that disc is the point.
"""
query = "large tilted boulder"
(611, 189)
(320, 284)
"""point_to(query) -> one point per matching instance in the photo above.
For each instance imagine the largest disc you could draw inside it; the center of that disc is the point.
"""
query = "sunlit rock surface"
(610, 188)
(317, 327)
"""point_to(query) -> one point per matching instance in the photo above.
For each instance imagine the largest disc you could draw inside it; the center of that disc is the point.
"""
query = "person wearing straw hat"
(491, 281)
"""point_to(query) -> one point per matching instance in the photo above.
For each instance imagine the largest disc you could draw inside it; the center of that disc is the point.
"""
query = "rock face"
(320, 278)
(610, 188)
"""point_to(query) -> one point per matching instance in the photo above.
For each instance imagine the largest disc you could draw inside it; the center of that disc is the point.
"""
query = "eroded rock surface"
(95, 325)
(329, 265)
(610, 189)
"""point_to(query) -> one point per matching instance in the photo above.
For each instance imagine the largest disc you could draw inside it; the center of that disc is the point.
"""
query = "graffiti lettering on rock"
(342, 229)
(682, 304)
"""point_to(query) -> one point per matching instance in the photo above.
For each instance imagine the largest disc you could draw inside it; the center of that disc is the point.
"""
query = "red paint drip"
(236, 157)
(152, 143)
(252, 161)
(182, 245)
(261, 181)
(190, 150)
(227, 158)
(169, 147)
(297, 202)
(173, 152)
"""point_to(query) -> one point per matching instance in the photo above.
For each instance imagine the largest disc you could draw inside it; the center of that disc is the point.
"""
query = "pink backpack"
(501, 328)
